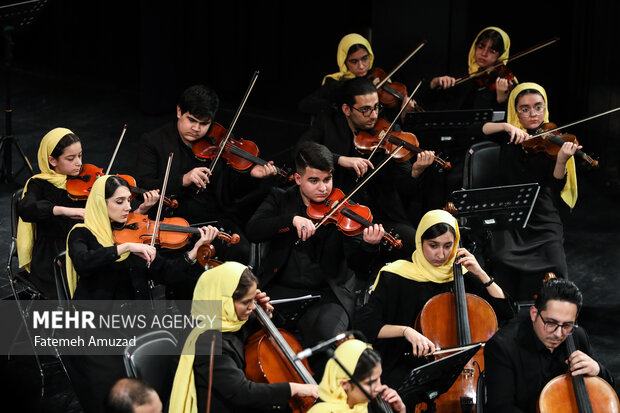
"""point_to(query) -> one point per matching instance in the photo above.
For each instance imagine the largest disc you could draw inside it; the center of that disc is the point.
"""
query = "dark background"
(92, 66)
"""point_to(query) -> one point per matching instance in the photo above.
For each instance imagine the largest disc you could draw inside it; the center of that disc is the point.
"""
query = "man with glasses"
(523, 356)
(390, 191)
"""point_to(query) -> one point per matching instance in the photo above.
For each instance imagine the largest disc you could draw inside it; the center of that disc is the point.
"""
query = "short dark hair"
(247, 280)
(64, 142)
(127, 393)
(351, 88)
(200, 101)
(112, 184)
(559, 289)
(367, 361)
(497, 42)
(315, 156)
(436, 230)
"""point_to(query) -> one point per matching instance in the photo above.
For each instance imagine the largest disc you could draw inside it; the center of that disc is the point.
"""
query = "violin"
(206, 252)
(271, 357)
(79, 186)
(173, 233)
(240, 154)
(367, 142)
(350, 218)
(550, 143)
(487, 80)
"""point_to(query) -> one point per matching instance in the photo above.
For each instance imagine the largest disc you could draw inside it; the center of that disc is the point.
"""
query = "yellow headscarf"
(97, 220)
(419, 269)
(333, 396)
(26, 231)
(471, 60)
(569, 192)
(218, 283)
(341, 55)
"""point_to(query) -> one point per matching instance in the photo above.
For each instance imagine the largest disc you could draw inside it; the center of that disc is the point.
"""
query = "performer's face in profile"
(437, 250)
(118, 205)
(371, 385)
(531, 110)
(358, 62)
(245, 305)
(486, 55)
(190, 127)
(548, 323)
(364, 113)
(314, 185)
(69, 162)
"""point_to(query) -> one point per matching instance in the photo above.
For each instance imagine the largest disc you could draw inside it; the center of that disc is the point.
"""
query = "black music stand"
(291, 310)
(13, 17)
(425, 383)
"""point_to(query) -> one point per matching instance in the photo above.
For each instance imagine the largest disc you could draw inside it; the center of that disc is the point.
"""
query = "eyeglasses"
(538, 109)
(363, 59)
(367, 110)
(552, 326)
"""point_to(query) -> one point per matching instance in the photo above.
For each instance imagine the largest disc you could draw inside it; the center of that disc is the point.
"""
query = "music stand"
(425, 383)
(290, 310)
(14, 17)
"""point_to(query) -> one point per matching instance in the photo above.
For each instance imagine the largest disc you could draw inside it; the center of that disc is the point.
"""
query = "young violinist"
(203, 195)
(522, 257)
(46, 210)
(403, 287)
(324, 262)
(524, 355)
(236, 287)
(390, 192)
(490, 46)
(97, 269)
(339, 390)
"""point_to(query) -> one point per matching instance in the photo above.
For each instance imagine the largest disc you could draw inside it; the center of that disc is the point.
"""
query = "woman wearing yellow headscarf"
(235, 286)
(524, 256)
(403, 287)
(46, 212)
(490, 46)
(355, 59)
(343, 391)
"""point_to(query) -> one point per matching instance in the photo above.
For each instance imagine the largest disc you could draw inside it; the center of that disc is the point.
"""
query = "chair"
(62, 286)
(151, 358)
(481, 393)
(481, 166)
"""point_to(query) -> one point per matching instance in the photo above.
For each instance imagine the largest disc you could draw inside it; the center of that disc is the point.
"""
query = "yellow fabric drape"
(569, 192)
(218, 283)
(26, 231)
(471, 59)
(419, 269)
(97, 221)
(341, 56)
(333, 396)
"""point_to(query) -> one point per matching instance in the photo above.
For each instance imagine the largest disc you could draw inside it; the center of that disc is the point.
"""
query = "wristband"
(488, 283)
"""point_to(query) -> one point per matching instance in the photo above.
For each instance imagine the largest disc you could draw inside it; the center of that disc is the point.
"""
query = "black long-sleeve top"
(398, 301)
(518, 366)
(37, 207)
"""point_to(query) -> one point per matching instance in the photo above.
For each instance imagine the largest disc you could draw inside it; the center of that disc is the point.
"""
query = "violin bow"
(159, 208)
(387, 133)
(505, 61)
(234, 121)
(211, 357)
(575, 123)
(387, 77)
(118, 144)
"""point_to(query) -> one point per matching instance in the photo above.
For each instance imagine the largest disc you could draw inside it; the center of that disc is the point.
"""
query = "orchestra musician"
(522, 257)
(529, 351)
(403, 287)
(97, 269)
(326, 262)
(203, 195)
(339, 392)
(236, 286)
(46, 210)
(390, 192)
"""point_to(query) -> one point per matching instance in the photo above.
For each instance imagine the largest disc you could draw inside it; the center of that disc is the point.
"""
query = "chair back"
(151, 360)
(60, 277)
(481, 166)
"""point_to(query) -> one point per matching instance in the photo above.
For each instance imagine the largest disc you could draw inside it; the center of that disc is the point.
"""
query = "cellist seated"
(236, 286)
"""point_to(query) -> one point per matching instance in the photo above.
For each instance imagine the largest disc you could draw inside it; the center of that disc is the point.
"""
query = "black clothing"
(231, 390)
(398, 301)
(522, 257)
(388, 193)
(51, 230)
(467, 95)
(216, 203)
(518, 366)
(321, 100)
